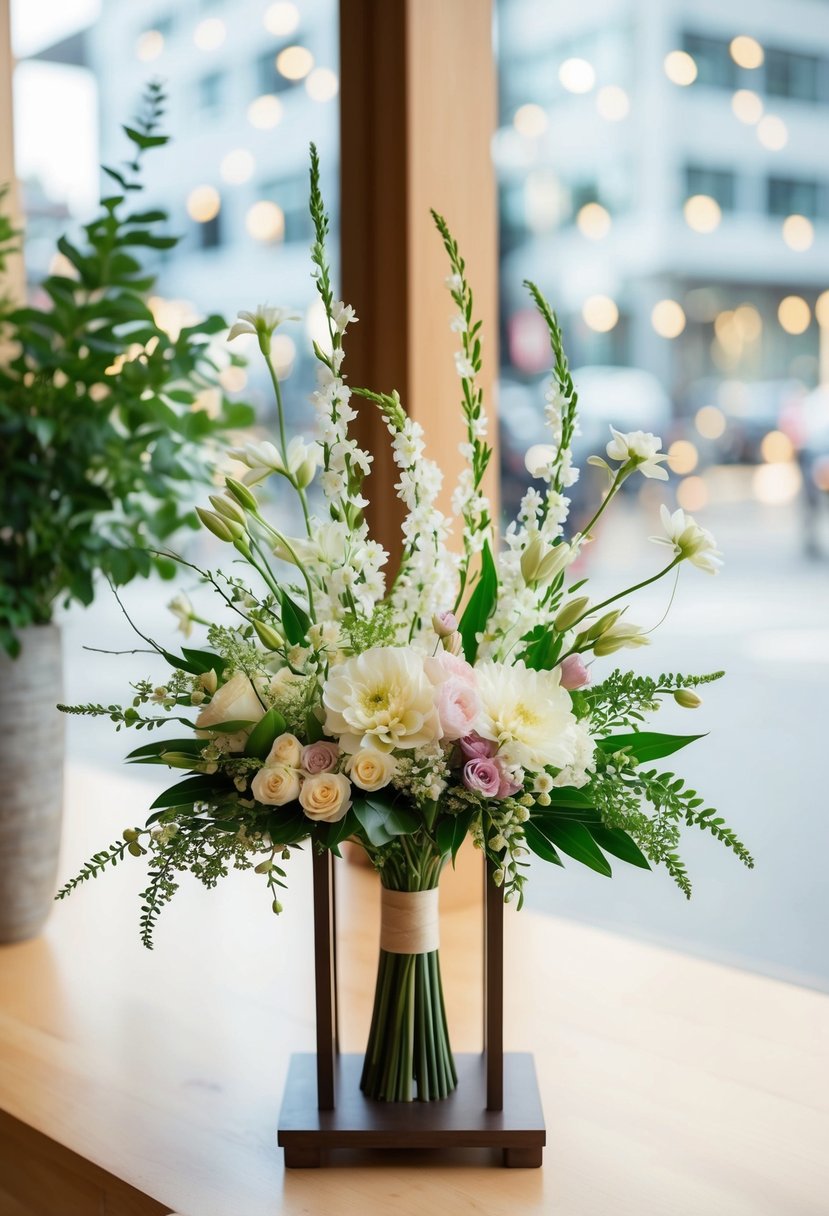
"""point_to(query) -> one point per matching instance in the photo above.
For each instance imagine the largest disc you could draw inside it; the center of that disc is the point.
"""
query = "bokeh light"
(265, 221)
(281, 18)
(776, 446)
(265, 112)
(577, 75)
(772, 132)
(668, 318)
(680, 68)
(149, 46)
(710, 422)
(530, 120)
(794, 314)
(683, 456)
(322, 84)
(747, 106)
(822, 310)
(593, 221)
(600, 313)
(774, 485)
(210, 33)
(748, 322)
(203, 203)
(702, 213)
(295, 62)
(746, 52)
(233, 379)
(237, 166)
(692, 493)
(612, 103)
(798, 233)
(283, 349)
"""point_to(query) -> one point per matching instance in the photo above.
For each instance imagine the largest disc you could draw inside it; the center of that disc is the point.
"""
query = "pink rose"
(476, 748)
(483, 776)
(458, 706)
(508, 786)
(319, 757)
(445, 665)
(574, 673)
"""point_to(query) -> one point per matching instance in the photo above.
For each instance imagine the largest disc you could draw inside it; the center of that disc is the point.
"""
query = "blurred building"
(663, 177)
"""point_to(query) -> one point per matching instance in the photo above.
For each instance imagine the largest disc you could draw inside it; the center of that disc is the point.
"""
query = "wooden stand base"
(459, 1121)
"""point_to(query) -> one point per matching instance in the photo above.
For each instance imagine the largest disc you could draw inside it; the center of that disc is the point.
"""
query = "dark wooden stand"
(495, 1106)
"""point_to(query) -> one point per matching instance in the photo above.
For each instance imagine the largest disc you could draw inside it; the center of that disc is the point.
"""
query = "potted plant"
(101, 436)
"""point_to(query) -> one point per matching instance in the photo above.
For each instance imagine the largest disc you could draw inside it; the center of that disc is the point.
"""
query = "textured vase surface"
(31, 781)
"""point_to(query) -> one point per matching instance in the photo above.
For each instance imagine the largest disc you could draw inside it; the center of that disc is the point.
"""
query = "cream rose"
(325, 797)
(276, 784)
(235, 701)
(370, 769)
(286, 749)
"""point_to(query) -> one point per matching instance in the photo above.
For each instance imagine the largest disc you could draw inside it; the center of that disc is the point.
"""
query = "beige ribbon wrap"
(409, 921)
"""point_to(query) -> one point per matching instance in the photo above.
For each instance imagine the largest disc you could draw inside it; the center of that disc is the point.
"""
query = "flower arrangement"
(454, 700)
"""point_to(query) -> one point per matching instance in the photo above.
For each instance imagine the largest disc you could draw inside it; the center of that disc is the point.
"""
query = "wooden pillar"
(418, 109)
(14, 280)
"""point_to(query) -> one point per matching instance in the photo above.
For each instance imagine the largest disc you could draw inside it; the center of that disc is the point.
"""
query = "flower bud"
(215, 524)
(573, 673)
(687, 699)
(606, 646)
(453, 643)
(304, 475)
(541, 562)
(242, 494)
(277, 906)
(603, 624)
(209, 681)
(268, 636)
(135, 849)
(571, 613)
(228, 508)
(130, 834)
(264, 867)
(444, 624)
(176, 760)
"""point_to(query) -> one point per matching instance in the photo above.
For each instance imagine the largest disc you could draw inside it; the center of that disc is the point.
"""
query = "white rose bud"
(325, 797)
(286, 749)
(276, 784)
(370, 769)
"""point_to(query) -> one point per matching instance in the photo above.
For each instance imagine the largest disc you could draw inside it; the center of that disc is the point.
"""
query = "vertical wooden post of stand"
(493, 990)
(325, 977)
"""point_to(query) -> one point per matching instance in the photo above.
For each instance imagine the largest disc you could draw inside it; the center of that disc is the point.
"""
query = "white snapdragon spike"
(641, 449)
(689, 541)
(261, 322)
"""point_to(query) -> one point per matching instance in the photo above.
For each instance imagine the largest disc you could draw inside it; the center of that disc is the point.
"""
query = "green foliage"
(623, 699)
(382, 820)
(561, 371)
(100, 431)
(480, 606)
(97, 863)
(646, 744)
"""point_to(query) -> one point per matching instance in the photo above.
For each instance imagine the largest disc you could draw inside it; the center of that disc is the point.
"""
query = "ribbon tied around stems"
(409, 921)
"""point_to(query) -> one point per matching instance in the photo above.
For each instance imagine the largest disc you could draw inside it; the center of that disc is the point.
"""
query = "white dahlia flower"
(527, 713)
(382, 699)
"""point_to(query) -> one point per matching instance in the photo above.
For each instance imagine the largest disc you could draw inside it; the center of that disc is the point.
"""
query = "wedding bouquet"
(454, 699)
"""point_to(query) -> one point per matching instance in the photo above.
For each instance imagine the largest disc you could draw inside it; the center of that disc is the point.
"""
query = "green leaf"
(342, 829)
(229, 728)
(288, 825)
(382, 821)
(480, 606)
(313, 727)
(540, 845)
(646, 745)
(295, 621)
(263, 734)
(617, 842)
(542, 654)
(452, 831)
(190, 790)
(202, 661)
(575, 840)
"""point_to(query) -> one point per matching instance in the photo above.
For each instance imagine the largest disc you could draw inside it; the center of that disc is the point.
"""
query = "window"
(790, 74)
(713, 59)
(793, 196)
(291, 195)
(211, 90)
(718, 184)
(209, 234)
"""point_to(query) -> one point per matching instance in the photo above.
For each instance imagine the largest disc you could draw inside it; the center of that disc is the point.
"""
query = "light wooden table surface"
(135, 1084)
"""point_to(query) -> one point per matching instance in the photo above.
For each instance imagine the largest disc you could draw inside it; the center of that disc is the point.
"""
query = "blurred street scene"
(662, 177)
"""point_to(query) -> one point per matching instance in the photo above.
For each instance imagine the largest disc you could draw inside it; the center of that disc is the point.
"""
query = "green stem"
(283, 444)
(611, 494)
(628, 591)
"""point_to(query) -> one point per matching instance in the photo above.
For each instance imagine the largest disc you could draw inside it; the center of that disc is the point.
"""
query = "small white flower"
(688, 540)
(261, 459)
(182, 610)
(642, 449)
(261, 322)
(463, 366)
(539, 459)
(454, 282)
(458, 323)
(342, 315)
